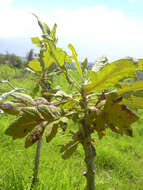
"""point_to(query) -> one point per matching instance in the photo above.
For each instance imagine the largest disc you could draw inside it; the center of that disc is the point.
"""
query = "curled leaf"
(34, 135)
(49, 112)
(51, 130)
(23, 98)
(11, 107)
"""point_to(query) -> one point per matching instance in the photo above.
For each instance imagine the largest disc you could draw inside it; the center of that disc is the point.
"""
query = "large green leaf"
(27, 120)
(58, 54)
(47, 58)
(35, 65)
(75, 57)
(110, 113)
(111, 74)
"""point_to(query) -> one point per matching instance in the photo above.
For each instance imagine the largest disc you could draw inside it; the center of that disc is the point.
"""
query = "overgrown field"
(119, 160)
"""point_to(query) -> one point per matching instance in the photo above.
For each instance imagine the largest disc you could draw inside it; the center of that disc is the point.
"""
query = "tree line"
(16, 61)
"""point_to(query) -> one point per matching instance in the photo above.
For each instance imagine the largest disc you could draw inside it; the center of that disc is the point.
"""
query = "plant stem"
(89, 149)
(36, 166)
(90, 153)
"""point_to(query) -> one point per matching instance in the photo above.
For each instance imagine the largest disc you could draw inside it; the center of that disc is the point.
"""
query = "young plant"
(104, 99)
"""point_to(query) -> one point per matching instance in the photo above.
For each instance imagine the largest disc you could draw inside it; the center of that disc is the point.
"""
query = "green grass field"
(119, 160)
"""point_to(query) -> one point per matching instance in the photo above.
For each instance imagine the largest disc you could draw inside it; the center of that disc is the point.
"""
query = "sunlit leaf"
(58, 54)
(47, 58)
(112, 114)
(68, 59)
(46, 28)
(75, 57)
(36, 40)
(111, 74)
(35, 65)
(53, 32)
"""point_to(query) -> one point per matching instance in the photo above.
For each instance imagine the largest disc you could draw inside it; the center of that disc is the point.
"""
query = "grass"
(119, 160)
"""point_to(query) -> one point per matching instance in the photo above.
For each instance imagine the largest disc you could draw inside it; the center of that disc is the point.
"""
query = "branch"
(5, 95)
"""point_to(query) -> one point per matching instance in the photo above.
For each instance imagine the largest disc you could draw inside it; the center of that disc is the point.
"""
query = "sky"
(95, 27)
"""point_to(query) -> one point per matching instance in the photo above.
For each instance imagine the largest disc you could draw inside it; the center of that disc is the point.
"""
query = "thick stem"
(36, 166)
(90, 154)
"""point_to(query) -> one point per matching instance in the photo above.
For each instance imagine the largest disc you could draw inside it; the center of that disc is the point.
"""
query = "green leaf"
(49, 112)
(29, 117)
(35, 65)
(20, 127)
(51, 130)
(33, 113)
(53, 32)
(47, 29)
(133, 102)
(118, 115)
(111, 113)
(47, 58)
(75, 57)
(35, 135)
(135, 89)
(23, 98)
(111, 74)
(58, 54)
(36, 40)
(68, 59)
(84, 65)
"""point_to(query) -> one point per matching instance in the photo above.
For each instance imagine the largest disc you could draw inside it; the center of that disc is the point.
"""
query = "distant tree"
(30, 55)
(11, 60)
(2, 59)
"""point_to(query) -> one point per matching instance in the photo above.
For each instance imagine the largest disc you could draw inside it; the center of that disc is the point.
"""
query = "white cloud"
(98, 30)
(93, 30)
(5, 2)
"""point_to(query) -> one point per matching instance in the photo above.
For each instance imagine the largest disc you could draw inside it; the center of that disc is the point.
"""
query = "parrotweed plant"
(102, 101)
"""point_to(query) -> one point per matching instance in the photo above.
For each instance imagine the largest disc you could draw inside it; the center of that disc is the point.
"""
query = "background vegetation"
(119, 160)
